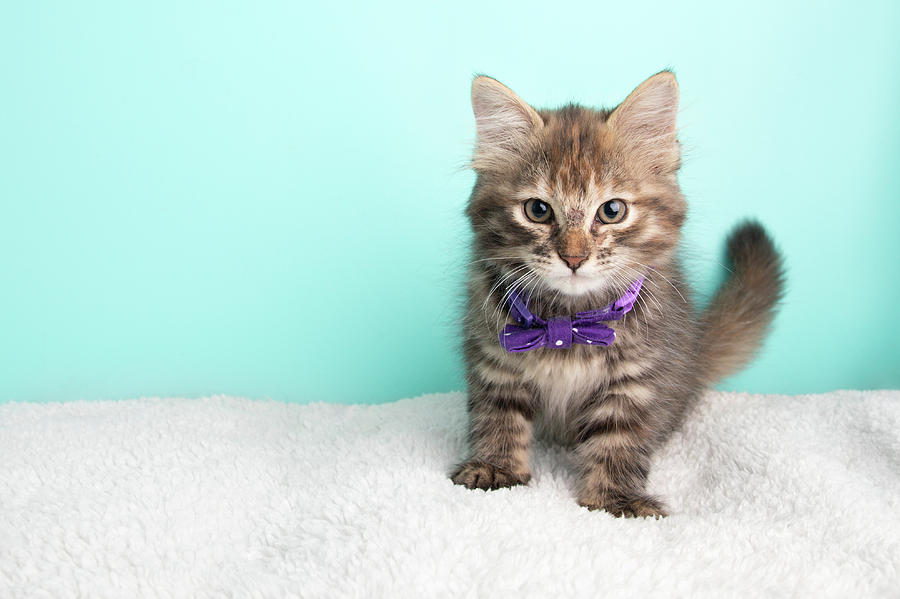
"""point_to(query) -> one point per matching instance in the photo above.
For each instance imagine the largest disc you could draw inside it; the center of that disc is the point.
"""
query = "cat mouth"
(572, 276)
(573, 283)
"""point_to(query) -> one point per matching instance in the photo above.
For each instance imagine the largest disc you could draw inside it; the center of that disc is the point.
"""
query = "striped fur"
(612, 405)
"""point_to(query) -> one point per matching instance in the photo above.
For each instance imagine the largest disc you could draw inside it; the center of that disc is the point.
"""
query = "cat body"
(562, 382)
(570, 207)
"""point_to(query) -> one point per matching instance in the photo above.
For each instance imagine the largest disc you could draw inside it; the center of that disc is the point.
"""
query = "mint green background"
(265, 198)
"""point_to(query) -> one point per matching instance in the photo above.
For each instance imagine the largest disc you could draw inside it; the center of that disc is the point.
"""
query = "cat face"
(576, 200)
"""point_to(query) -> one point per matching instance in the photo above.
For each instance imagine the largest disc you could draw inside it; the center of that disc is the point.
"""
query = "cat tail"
(741, 312)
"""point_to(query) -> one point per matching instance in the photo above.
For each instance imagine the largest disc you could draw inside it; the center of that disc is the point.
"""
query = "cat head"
(576, 200)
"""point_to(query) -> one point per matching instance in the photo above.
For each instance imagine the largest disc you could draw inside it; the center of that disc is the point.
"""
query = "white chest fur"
(563, 384)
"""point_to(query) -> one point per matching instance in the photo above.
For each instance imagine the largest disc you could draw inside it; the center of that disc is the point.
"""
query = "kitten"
(570, 208)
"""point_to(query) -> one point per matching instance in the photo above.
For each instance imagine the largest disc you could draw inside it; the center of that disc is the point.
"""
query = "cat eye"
(611, 212)
(538, 211)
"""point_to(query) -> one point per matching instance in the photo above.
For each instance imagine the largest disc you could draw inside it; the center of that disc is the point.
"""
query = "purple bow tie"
(561, 332)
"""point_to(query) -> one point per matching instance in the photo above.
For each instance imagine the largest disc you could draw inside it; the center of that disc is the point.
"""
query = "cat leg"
(500, 429)
(615, 439)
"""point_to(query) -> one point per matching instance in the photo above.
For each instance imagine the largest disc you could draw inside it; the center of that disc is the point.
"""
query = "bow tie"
(561, 332)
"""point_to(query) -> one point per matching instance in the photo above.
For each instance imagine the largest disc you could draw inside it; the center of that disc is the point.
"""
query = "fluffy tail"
(738, 318)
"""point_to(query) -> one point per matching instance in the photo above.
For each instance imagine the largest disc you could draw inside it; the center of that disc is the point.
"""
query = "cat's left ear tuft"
(646, 120)
(506, 124)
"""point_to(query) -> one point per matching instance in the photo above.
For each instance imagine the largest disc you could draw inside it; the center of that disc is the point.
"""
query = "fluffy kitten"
(569, 208)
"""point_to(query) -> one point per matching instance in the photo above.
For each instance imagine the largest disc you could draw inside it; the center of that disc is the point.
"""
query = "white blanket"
(771, 496)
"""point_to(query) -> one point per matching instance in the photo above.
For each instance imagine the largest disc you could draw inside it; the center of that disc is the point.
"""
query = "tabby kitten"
(570, 208)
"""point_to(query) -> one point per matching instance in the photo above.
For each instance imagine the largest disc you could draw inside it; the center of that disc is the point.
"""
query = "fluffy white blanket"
(771, 496)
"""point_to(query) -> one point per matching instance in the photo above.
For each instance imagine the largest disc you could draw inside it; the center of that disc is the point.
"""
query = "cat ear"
(646, 121)
(505, 123)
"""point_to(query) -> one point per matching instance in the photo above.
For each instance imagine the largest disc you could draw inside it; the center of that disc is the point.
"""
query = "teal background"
(265, 198)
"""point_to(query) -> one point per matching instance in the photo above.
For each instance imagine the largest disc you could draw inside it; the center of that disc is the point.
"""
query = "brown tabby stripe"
(503, 397)
(623, 470)
(500, 434)
(634, 422)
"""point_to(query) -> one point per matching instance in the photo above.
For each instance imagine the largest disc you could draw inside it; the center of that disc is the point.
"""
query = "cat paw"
(630, 507)
(481, 475)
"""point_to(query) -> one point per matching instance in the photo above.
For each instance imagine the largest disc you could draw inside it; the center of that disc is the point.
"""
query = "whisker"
(484, 305)
(495, 258)
(647, 288)
(500, 282)
(664, 277)
(498, 312)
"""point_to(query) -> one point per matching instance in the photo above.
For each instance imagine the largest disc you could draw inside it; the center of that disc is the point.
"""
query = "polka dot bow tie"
(587, 328)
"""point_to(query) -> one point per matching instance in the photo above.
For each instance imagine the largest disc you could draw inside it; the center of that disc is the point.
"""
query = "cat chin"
(575, 285)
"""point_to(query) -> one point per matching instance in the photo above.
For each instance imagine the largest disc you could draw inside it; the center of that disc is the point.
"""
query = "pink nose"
(574, 261)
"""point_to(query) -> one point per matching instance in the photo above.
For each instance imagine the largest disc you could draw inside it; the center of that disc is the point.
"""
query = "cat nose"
(574, 261)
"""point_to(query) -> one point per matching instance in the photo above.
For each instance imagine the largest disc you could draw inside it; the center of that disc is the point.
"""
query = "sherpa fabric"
(771, 496)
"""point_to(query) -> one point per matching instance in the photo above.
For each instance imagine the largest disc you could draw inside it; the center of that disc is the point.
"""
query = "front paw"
(639, 506)
(481, 475)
